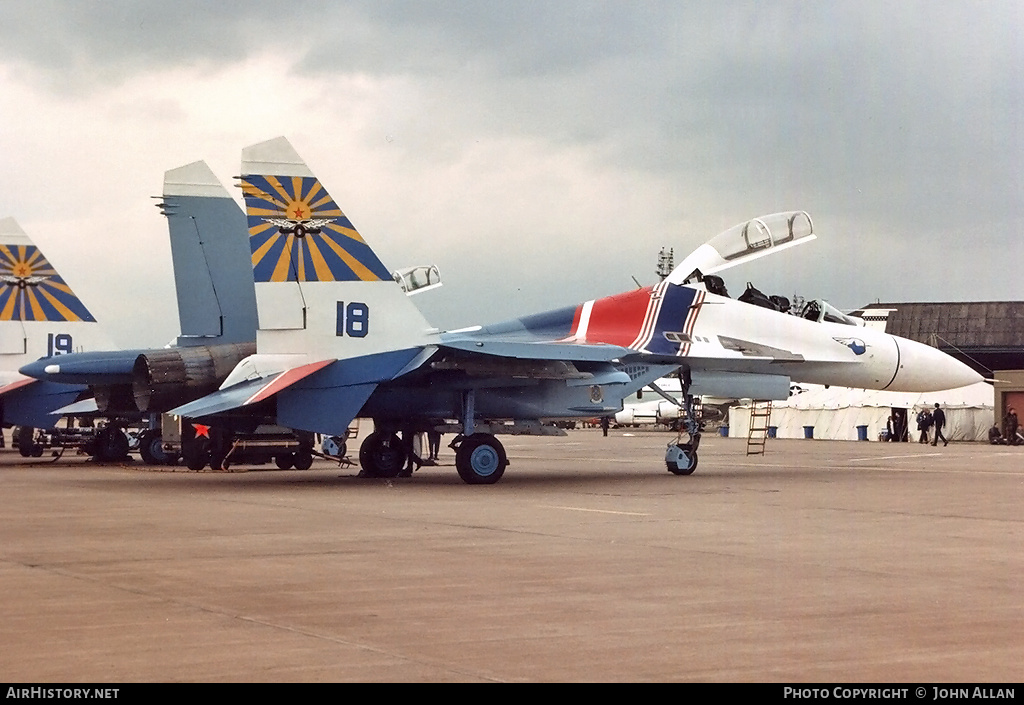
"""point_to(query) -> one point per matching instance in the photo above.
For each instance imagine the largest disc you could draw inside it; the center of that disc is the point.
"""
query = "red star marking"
(298, 211)
(201, 430)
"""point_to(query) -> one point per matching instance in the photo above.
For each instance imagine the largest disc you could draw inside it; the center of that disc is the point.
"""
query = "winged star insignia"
(856, 344)
(300, 228)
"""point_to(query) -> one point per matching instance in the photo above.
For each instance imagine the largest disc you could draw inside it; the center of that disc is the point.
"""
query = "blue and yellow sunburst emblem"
(298, 233)
(31, 289)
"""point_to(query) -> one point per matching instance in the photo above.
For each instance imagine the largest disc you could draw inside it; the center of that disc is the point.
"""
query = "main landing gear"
(479, 458)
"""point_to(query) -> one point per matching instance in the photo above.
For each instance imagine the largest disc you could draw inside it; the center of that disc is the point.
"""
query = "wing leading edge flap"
(246, 393)
(540, 350)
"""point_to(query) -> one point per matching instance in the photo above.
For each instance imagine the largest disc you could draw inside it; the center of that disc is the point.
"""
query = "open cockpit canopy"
(745, 242)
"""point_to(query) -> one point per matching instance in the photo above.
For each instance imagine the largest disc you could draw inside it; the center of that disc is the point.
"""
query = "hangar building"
(987, 335)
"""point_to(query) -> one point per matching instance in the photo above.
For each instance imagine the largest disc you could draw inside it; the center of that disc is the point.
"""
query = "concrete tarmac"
(823, 561)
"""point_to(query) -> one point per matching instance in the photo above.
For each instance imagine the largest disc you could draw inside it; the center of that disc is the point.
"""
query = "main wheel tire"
(151, 448)
(221, 445)
(284, 461)
(480, 459)
(382, 455)
(111, 445)
(25, 440)
(196, 452)
(218, 459)
(303, 460)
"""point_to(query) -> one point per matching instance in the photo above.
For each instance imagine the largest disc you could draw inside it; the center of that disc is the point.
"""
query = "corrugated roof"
(968, 325)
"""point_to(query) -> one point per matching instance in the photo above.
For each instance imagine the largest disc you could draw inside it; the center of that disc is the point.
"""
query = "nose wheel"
(681, 459)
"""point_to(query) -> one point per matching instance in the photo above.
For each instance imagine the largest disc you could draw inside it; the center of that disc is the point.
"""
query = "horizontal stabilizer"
(31, 405)
(18, 384)
(246, 393)
(322, 410)
(328, 402)
(322, 397)
(85, 407)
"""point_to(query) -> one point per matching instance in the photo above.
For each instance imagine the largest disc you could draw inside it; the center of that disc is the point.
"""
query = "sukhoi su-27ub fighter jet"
(338, 338)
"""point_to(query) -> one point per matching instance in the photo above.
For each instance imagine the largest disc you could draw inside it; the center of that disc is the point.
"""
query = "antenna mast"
(666, 263)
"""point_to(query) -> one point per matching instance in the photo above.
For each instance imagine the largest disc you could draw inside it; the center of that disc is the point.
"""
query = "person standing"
(939, 419)
(1010, 425)
(924, 420)
(434, 445)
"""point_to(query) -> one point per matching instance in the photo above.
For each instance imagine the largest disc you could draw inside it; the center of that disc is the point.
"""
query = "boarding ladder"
(757, 429)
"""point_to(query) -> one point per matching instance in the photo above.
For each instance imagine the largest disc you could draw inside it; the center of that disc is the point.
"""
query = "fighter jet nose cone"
(923, 368)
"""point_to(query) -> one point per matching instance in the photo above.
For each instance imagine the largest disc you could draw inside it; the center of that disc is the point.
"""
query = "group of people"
(928, 419)
(1010, 434)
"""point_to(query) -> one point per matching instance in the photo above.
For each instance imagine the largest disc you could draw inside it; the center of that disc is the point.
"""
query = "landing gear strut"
(681, 458)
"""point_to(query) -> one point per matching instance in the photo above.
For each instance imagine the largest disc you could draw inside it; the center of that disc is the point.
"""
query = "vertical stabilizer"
(209, 250)
(321, 290)
(32, 289)
(40, 315)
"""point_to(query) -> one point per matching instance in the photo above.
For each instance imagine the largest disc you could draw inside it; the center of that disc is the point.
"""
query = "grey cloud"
(904, 118)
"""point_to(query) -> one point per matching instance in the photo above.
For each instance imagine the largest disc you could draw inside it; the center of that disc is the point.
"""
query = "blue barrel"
(808, 431)
(862, 433)
(773, 431)
(723, 432)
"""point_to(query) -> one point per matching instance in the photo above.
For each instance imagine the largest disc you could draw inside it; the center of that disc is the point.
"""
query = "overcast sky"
(540, 153)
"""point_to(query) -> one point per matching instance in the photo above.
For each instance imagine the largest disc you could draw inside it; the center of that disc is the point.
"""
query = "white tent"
(836, 412)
